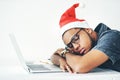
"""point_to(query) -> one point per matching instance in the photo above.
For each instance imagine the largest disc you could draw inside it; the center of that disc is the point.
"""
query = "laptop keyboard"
(38, 67)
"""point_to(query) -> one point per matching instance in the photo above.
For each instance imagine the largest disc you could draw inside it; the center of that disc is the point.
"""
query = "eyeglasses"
(74, 39)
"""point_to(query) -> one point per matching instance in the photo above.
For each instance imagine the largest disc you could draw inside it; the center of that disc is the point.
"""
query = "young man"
(86, 49)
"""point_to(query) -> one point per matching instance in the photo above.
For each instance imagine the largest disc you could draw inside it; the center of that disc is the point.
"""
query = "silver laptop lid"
(18, 51)
(28, 67)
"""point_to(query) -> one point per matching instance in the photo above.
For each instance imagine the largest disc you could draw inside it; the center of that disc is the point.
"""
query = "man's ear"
(89, 30)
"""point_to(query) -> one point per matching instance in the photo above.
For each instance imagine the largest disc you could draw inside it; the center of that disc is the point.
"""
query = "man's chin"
(77, 53)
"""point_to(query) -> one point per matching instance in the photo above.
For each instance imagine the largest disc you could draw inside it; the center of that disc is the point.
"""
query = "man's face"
(79, 40)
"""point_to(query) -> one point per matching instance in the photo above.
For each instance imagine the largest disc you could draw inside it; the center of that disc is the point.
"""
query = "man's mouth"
(82, 51)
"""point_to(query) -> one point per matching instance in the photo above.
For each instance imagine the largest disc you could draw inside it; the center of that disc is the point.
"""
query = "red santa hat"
(68, 20)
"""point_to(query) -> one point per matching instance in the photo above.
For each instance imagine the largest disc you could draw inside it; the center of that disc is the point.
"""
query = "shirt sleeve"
(109, 43)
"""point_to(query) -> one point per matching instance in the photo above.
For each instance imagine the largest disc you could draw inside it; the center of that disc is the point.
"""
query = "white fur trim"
(70, 25)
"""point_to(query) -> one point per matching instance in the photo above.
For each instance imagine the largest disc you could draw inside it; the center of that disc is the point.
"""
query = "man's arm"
(56, 59)
(83, 64)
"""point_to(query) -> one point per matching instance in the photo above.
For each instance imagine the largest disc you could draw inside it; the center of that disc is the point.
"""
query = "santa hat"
(68, 20)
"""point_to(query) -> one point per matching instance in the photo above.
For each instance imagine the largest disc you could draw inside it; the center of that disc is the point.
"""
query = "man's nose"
(76, 46)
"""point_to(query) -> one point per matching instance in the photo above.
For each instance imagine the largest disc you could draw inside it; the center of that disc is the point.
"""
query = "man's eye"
(70, 45)
(75, 38)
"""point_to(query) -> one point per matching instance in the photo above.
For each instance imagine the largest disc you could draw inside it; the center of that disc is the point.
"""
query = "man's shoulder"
(111, 34)
(100, 28)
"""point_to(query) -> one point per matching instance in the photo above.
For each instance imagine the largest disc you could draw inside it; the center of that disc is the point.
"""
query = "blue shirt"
(109, 43)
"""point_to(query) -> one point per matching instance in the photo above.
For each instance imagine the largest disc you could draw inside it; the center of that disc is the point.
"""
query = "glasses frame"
(73, 39)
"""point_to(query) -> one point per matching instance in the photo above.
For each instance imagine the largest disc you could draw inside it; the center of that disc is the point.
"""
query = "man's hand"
(59, 51)
(62, 62)
(64, 66)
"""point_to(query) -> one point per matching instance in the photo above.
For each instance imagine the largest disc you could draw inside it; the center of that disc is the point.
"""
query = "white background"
(35, 24)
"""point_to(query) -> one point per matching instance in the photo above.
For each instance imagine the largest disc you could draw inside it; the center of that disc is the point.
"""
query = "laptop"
(41, 67)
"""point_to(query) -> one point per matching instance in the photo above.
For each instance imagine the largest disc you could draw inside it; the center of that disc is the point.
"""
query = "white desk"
(16, 72)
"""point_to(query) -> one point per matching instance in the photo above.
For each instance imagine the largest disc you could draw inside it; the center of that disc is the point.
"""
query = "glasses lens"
(70, 45)
(74, 39)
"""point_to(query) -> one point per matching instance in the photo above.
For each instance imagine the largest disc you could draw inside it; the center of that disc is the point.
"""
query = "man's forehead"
(71, 31)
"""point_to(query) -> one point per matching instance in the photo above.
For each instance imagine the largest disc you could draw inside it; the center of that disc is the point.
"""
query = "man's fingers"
(63, 68)
(68, 69)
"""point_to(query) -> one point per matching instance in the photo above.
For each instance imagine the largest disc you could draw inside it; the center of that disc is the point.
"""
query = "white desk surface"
(16, 72)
